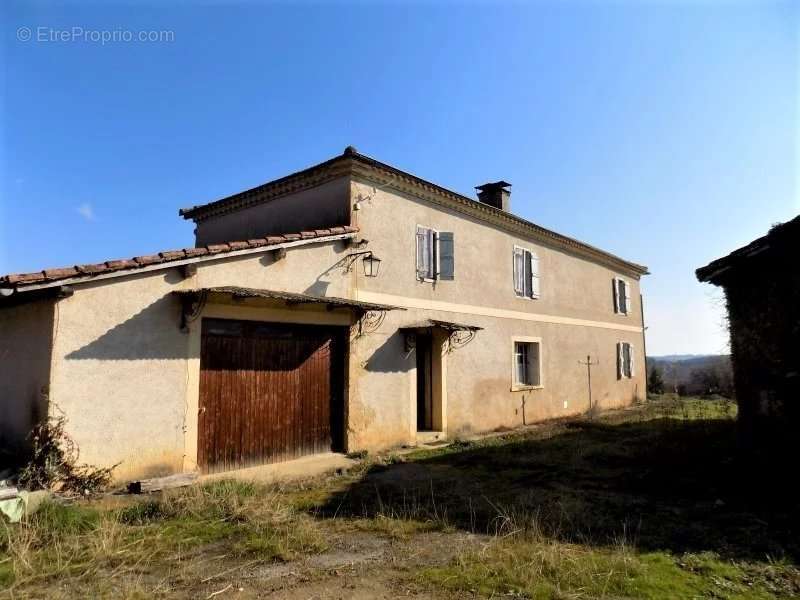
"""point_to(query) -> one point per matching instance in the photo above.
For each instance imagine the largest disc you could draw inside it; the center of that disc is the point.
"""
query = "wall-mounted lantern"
(372, 265)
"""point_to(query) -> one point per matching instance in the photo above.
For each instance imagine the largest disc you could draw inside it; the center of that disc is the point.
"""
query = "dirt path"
(359, 566)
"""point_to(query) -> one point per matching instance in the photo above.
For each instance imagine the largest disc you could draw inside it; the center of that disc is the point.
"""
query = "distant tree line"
(703, 376)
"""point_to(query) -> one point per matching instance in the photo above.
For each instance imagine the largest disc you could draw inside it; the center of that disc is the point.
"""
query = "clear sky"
(665, 132)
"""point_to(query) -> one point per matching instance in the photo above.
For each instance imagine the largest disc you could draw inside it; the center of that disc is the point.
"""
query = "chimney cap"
(493, 185)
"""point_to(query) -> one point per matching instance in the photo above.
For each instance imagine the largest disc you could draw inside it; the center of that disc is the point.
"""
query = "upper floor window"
(624, 360)
(435, 255)
(622, 296)
(526, 273)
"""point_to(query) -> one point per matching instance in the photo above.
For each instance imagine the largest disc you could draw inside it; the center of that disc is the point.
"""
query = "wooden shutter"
(630, 355)
(627, 288)
(615, 290)
(534, 260)
(620, 361)
(519, 269)
(446, 256)
(422, 253)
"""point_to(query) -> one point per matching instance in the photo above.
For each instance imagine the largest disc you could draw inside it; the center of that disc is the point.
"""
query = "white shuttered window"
(624, 360)
(435, 254)
(526, 273)
(622, 296)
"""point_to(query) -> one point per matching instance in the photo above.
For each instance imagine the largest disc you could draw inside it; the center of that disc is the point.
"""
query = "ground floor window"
(527, 363)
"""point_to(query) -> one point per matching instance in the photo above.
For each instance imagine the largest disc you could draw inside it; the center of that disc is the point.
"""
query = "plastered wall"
(125, 374)
(574, 317)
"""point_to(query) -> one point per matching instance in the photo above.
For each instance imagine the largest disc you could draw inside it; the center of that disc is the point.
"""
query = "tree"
(655, 383)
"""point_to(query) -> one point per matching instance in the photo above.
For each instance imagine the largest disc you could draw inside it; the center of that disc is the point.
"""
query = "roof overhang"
(781, 240)
(11, 285)
(431, 324)
(458, 334)
(289, 299)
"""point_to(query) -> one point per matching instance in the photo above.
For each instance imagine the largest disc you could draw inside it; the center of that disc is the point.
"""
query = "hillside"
(695, 374)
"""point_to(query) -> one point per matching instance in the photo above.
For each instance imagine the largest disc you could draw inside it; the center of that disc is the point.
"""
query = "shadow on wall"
(666, 484)
(391, 356)
(152, 333)
(323, 281)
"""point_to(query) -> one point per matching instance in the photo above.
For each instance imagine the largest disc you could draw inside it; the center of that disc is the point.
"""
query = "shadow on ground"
(662, 484)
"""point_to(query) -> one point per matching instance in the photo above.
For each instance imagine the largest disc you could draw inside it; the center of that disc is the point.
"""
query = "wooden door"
(268, 393)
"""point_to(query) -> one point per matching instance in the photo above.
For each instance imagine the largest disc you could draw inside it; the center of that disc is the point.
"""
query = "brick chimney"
(495, 194)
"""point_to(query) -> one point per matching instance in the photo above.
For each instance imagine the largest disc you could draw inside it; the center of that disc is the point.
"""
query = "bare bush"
(53, 463)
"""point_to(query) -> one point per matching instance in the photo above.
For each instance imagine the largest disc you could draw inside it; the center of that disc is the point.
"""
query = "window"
(624, 360)
(435, 255)
(526, 273)
(622, 296)
(527, 363)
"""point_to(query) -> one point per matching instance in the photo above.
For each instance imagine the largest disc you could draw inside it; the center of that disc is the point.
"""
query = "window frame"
(622, 373)
(627, 297)
(536, 291)
(515, 385)
(434, 254)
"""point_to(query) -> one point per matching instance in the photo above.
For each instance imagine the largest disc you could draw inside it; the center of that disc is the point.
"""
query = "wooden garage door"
(268, 392)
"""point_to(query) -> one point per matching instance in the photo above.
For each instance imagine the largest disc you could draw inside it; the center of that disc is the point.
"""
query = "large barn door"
(268, 393)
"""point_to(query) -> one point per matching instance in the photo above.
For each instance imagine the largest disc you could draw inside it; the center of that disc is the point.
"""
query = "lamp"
(372, 265)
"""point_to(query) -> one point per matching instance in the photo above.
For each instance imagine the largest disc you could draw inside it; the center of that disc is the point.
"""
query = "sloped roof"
(167, 258)
(353, 162)
(790, 230)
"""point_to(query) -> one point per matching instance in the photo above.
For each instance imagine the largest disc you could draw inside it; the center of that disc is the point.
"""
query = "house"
(762, 292)
(347, 306)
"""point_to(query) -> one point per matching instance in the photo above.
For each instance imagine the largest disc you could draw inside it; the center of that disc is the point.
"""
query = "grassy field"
(643, 503)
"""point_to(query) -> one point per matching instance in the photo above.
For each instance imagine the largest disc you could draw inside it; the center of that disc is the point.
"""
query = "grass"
(645, 503)
(75, 544)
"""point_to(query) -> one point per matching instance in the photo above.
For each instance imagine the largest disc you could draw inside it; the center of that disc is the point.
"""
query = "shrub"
(54, 464)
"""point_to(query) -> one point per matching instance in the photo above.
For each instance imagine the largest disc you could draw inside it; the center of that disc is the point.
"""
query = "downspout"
(644, 344)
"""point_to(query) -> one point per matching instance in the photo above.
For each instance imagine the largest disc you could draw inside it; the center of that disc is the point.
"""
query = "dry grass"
(634, 504)
(143, 544)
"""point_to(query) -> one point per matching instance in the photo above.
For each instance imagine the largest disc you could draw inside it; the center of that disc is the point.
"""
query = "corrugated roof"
(288, 297)
(19, 280)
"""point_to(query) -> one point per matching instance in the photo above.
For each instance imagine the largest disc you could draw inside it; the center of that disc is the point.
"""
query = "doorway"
(269, 392)
(424, 382)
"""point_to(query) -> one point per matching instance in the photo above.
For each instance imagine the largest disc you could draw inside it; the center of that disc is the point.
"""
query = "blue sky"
(665, 132)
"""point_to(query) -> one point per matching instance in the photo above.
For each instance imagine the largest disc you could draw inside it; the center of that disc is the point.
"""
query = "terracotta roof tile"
(138, 262)
(173, 254)
(91, 269)
(60, 273)
(122, 264)
(25, 277)
(150, 259)
(192, 252)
